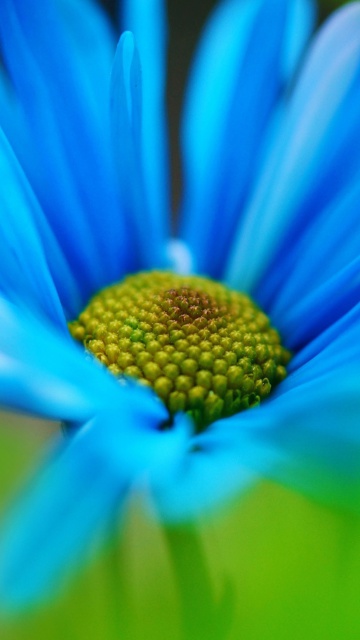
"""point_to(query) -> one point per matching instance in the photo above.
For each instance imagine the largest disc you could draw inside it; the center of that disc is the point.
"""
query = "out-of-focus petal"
(205, 478)
(68, 503)
(146, 19)
(338, 336)
(126, 108)
(311, 434)
(44, 373)
(312, 314)
(326, 247)
(249, 48)
(313, 158)
(24, 267)
(81, 490)
(68, 157)
(93, 43)
(11, 120)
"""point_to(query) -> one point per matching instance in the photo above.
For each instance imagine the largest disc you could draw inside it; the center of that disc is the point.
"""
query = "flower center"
(203, 348)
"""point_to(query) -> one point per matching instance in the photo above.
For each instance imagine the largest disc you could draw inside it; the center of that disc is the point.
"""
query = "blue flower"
(271, 159)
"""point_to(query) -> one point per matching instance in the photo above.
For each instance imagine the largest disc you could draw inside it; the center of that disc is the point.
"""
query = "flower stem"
(202, 616)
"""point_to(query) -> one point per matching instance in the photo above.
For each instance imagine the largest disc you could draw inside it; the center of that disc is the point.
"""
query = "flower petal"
(68, 157)
(322, 307)
(309, 437)
(45, 535)
(24, 268)
(326, 247)
(313, 158)
(81, 490)
(126, 106)
(92, 47)
(146, 19)
(225, 124)
(342, 335)
(205, 479)
(44, 373)
(11, 120)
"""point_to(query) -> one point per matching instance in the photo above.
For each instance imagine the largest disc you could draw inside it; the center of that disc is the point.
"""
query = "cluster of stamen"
(203, 348)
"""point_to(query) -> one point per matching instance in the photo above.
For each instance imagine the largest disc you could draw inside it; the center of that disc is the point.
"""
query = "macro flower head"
(269, 208)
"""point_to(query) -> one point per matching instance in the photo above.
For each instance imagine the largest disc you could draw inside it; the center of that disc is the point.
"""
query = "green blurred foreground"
(293, 568)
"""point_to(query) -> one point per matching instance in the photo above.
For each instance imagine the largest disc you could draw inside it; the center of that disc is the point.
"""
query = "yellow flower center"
(203, 348)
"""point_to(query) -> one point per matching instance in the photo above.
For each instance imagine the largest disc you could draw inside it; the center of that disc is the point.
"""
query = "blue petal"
(146, 19)
(300, 23)
(68, 159)
(225, 123)
(24, 267)
(308, 439)
(126, 117)
(313, 159)
(82, 490)
(44, 373)
(333, 338)
(92, 45)
(311, 315)
(206, 478)
(325, 247)
(45, 536)
(126, 105)
(11, 118)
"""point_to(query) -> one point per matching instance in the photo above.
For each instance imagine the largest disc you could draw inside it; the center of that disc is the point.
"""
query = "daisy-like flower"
(271, 165)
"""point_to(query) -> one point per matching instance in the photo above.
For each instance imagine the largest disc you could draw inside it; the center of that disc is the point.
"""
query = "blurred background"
(291, 566)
